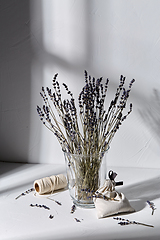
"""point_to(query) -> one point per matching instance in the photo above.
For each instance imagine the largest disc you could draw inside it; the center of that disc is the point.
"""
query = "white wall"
(106, 37)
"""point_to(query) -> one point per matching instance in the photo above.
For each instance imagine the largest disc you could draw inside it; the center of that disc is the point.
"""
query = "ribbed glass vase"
(85, 174)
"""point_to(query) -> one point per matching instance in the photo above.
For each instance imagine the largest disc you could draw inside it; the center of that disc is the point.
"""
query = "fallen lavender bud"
(77, 220)
(127, 222)
(123, 223)
(58, 202)
(24, 193)
(38, 205)
(152, 206)
(73, 208)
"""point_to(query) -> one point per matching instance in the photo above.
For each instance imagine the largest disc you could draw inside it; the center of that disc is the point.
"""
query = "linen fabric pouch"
(110, 202)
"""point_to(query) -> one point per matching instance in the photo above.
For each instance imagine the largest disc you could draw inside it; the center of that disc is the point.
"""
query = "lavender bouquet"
(87, 132)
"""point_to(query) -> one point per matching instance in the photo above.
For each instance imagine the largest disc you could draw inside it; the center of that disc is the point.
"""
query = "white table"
(19, 221)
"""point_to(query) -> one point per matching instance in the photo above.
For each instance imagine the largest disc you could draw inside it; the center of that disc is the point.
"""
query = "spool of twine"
(50, 184)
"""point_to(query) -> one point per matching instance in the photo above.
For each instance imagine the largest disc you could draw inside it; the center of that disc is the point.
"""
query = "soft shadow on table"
(98, 237)
(6, 167)
(24, 175)
(139, 238)
(139, 193)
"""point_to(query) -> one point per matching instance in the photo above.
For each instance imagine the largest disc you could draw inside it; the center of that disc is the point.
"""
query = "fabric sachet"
(108, 201)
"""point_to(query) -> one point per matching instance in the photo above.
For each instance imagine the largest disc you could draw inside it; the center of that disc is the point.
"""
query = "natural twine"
(50, 184)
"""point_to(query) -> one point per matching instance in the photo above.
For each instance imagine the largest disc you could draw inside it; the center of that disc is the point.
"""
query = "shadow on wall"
(15, 79)
(151, 114)
(17, 54)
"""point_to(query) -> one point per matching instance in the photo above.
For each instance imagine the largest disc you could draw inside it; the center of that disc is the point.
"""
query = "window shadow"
(15, 80)
(151, 114)
(138, 194)
(6, 167)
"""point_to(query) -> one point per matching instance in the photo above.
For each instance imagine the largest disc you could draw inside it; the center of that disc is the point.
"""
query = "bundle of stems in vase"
(89, 131)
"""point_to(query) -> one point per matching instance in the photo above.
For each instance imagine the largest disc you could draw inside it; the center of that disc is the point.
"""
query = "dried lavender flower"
(73, 208)
(40, 206)
(26, 192)
(89, 129)
(77, 220)
(152, 206)
(127, 222)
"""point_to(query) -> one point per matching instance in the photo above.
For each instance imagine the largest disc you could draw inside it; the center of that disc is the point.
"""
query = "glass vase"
(85, 174)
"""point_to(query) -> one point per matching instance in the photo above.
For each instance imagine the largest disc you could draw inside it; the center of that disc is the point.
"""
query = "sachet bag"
(108, 201)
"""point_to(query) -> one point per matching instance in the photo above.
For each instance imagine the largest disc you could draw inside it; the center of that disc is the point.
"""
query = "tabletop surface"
(20, 221)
